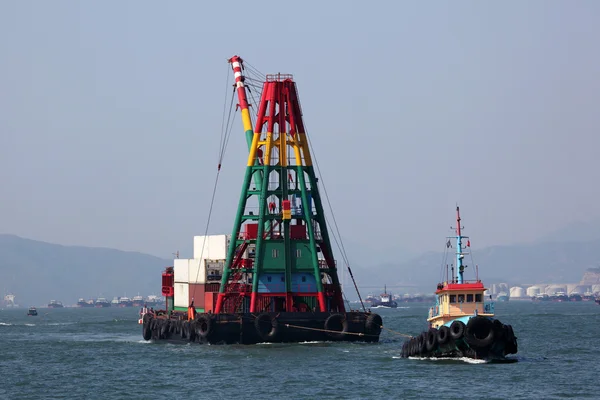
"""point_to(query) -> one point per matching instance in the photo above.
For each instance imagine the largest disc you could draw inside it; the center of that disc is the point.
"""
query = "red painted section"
(461, 286)
(196, 292)
(220, 298)
(322, 303)
(210, 300)
(240, 90)
(285, 205)
(251, 231)
(297, 232)
(253, 302)
(168, 282)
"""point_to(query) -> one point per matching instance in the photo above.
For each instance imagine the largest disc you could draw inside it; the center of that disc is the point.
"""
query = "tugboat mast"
(460, 268)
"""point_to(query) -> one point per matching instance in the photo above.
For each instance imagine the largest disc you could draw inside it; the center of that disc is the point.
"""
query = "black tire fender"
(204, 326)
(147, 328)
(457, 330)
(431, 342)
(373, 325)
(443, 335)
(336, 326)
(266, 326)
(480, 332)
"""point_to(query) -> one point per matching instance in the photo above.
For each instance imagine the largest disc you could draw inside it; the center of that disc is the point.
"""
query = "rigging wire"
(341, 243)
(225, 136)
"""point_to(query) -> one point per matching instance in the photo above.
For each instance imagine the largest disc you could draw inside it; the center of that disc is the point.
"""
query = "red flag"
(468, 243)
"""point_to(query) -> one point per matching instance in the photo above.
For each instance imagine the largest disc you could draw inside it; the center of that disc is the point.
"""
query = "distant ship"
(559, 296)
(137, 301)
(55, 304)
(83, 303)
(101, 302)
(588, 296)
(32, 312)
(125, 302)
(575, 297)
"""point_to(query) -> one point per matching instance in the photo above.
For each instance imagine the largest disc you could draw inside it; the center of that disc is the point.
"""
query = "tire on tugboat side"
(480, 332)
(431, 341)
(457, 330)
(443, 335)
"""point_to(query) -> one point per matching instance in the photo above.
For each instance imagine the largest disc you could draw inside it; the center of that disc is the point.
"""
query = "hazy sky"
(110, 116)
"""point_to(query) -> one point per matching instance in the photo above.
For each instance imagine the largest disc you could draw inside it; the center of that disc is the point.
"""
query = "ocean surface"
(76, 353)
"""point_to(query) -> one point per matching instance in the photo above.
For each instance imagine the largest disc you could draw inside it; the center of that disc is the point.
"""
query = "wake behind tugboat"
(461, 323)
(274, 279)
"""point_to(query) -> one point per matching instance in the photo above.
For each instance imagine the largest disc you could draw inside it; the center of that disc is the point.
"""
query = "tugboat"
(386, 300)
(277, 280)
(32, 312)
(461, 323)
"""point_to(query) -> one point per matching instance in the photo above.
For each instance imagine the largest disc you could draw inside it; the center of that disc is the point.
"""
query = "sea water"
(93, 353)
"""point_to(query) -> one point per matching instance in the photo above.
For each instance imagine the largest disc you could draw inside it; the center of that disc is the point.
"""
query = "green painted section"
(320, 217)
(235, 233)
(311, 233)
(283, 184)
(262, 211)
(200, 310)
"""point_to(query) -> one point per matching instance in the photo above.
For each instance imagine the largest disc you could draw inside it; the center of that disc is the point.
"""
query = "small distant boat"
(55, 304)
(386, 300)
(462, 323)
(32, 312)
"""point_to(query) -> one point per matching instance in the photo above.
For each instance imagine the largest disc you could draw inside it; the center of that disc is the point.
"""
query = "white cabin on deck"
(456, 300)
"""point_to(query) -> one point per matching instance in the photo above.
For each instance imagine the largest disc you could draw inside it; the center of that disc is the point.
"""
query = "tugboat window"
(469, 298)
(452, 298)
(461, 298)
(478, 298)
(268, 279)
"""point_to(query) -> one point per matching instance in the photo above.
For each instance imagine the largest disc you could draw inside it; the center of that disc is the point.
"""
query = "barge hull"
(267, 327)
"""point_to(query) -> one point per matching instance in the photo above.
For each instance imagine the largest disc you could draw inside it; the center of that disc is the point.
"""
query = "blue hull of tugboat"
(474, 337)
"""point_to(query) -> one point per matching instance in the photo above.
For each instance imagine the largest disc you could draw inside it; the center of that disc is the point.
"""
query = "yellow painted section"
(246, 120)
(296, 152)
(287, 214)
(305, 150)
(283, 149)
(253, 149)
(447, 311)
(268, 146)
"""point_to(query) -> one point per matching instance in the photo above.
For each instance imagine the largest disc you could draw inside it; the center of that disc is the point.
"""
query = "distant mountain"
(579, 231)
(549, 262)
(36, 272)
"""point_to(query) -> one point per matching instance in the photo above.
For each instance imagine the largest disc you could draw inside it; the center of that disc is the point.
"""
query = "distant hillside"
(550, 262)
(37, 272)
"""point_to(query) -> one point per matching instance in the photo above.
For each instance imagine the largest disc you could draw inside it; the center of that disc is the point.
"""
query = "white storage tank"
(182, 294)
(517, 292)
(533, 291)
